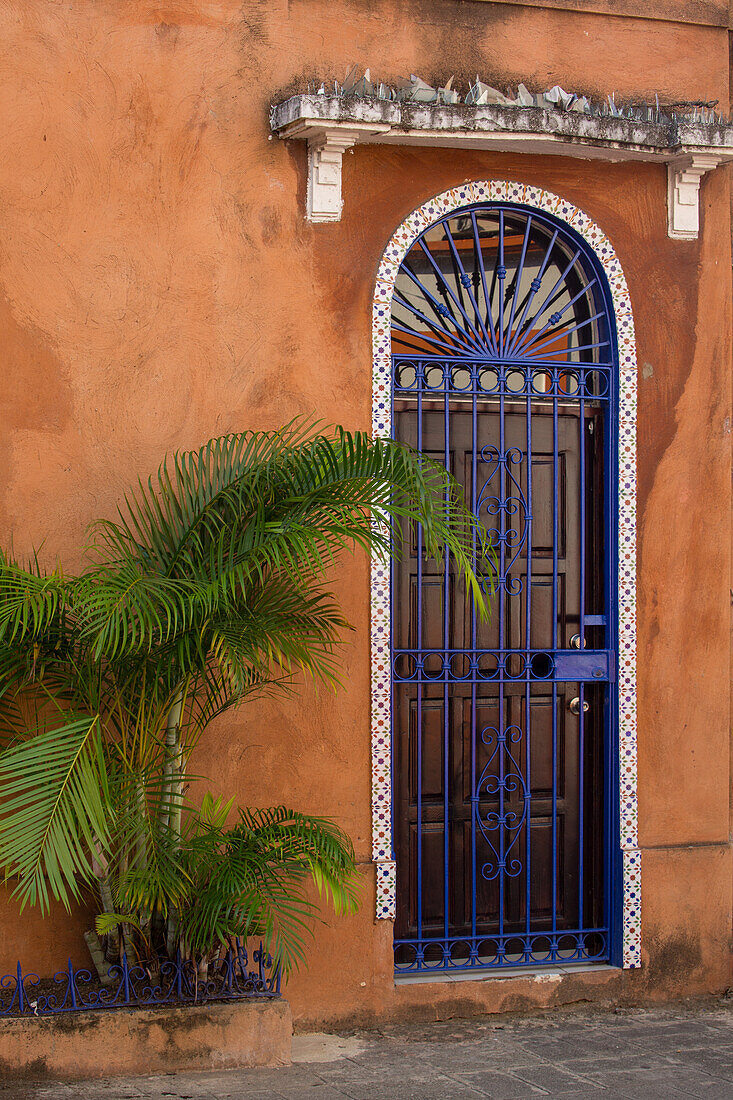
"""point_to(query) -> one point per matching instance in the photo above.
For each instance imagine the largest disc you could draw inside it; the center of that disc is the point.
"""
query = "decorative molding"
(326, 147)
(331, 123)
(325, 155)
(683, 194)
(381, 718)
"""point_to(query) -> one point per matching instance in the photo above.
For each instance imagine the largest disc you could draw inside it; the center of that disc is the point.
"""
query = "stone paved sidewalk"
(645, 1054)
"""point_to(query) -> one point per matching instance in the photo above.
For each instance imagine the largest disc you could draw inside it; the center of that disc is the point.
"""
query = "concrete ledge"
(531, 129)
(79, 1045)
(332, 124)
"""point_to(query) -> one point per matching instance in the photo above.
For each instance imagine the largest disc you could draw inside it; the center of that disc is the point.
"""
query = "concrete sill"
(535, 973)
(128, 1041)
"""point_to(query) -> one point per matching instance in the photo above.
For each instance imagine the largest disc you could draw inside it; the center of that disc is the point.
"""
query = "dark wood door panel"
(456, 744)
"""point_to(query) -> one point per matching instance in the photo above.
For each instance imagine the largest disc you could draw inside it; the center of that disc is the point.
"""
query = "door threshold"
(553, 972)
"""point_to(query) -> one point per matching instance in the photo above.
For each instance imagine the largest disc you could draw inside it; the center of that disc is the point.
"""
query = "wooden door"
(498, 783)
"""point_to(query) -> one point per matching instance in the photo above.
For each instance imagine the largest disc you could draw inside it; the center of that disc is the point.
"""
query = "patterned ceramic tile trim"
(386, 888)
(632, 907)
(413, 225)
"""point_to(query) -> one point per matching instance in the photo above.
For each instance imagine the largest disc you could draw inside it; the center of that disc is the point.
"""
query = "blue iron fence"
(134, 986)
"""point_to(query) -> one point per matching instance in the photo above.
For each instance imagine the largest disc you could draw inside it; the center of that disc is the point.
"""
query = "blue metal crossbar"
(466, 665)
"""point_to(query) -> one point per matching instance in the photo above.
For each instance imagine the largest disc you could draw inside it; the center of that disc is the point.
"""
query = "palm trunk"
(100, 963)
(100, 866)
(172, 765)
(177, 790)
(170, 817)
(144, 915)
(170, 810)
(171, 932)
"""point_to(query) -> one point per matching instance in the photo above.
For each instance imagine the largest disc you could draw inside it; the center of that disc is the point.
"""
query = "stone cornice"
(330, 124)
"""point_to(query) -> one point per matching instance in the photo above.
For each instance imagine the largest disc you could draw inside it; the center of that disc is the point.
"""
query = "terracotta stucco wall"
(160, 286)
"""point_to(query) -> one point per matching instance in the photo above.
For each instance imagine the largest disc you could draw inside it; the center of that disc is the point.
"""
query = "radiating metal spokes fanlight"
(503, 285)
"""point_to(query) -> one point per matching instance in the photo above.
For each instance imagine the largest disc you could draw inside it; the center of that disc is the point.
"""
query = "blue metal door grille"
(504, 369)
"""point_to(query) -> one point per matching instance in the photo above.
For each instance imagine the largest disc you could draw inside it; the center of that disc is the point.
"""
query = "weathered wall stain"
(681, 796)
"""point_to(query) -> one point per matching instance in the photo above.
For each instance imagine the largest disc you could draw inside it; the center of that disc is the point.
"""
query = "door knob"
(576, 643)
(574, 706)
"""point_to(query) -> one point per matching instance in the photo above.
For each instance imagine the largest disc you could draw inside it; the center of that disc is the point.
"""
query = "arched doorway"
(504, 366)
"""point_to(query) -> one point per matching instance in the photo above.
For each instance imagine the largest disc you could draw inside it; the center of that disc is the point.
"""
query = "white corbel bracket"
(325, 158)
(683, 194)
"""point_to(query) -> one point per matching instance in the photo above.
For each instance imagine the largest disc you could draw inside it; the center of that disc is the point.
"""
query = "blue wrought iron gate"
(504, 370)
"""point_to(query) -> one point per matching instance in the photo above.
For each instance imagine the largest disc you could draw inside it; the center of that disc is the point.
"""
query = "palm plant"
(208, 587)
(246, 880)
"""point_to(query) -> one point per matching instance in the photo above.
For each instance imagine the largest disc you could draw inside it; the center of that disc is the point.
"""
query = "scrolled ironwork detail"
(501, 776)
(177, 981)
(503, 498)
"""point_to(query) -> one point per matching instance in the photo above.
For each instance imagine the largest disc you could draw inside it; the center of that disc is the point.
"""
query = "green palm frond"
(147, 868)
(246, 505)
(31, 602)
(282, 623)
(251, 879)
(23, 712)
(130, 607)
(213, 812)
(16, 669)
(274, 909)
(56, 812)
(223, 684)
(315, 844)
(110, 922)
(169, 521)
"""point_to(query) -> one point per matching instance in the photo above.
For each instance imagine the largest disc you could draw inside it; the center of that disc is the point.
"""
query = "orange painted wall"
(159, 285)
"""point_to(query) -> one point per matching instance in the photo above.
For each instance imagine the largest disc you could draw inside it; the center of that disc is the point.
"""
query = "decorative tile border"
(403, 238)
(632, 908)
(386, 889)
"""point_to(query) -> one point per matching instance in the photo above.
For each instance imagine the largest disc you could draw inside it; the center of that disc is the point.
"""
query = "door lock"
(574, 706)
